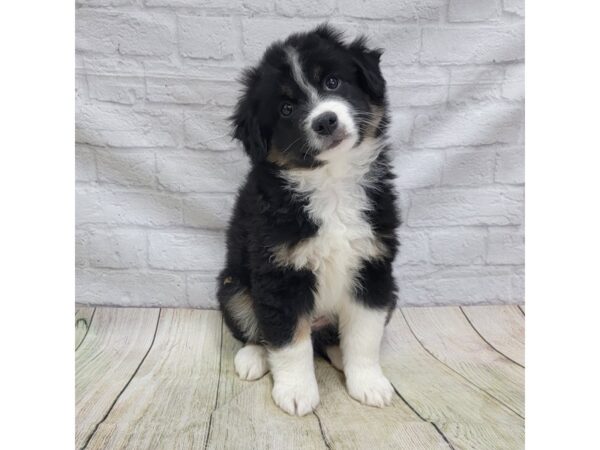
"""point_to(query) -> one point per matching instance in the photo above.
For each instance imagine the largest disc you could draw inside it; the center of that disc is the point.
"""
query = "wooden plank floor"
(164, 379)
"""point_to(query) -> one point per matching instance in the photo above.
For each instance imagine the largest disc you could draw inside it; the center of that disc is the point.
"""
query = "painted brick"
(401, 127)
(85, 163)
(206, 37)
(470, 167)
(304, 8)
(129, 288)
(506, 246)
(483, 45)
(478, 206)
(191, 91)
(488, 123)
(128, 33)
(157, 79)
(400, 43)
(514, 7)
(208, 130)
(472, 10)
(458, 247)
(104, 206)
(417, 95)
(418, 169)
(128, 168)
(201, 171)
(117, 249)
(475, 83)
(201, 291)
(510, 166)
(210, 211)
(514, 82)
(118, 89)
(258, 33)
(119, 126)
(403, 10)
(186, 250)
(414, 247)
(466, 286)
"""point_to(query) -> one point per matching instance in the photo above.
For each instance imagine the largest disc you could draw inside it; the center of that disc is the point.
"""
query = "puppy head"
(308, 95)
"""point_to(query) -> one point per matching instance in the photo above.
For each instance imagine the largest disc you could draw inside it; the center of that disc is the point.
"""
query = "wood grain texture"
(447, 334)
(347, 424)
(83, 320)
(165, 379)
(246, 417)
(467, 416)
(502, 326)
(106, 360)
(167, 405)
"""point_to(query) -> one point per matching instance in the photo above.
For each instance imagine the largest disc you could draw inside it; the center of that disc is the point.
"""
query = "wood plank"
(469, 418)
(105, 361)
(83, 320)
(446, 333)
(169, 401)
(247, 417)
(347, 424)
(502, 326)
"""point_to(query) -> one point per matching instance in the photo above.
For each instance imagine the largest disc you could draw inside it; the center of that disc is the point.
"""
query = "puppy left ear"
(369, 72)
(246, 127)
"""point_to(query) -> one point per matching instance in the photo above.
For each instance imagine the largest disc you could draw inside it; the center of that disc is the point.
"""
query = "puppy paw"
(251, 362)
(296, 398)
(369, 386)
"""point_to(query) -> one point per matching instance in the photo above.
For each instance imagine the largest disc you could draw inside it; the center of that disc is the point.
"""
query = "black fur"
(268, 214)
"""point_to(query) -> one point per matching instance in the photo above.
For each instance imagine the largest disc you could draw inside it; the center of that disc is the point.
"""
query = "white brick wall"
(157, 170)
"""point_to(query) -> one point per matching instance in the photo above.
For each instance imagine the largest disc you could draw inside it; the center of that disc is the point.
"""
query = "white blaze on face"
(318, 104)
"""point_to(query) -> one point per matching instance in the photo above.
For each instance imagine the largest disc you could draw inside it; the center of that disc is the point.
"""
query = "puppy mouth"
(336, 139)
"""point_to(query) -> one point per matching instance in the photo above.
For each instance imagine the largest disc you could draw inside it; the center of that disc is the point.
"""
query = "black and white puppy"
(311, 240)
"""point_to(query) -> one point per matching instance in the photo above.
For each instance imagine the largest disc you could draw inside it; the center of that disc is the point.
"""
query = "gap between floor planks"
(436, 404)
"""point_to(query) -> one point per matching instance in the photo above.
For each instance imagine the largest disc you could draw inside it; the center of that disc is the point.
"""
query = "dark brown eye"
(286, 109)
(331, 82)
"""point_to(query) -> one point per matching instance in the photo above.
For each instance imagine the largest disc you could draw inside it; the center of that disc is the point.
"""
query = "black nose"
(325, 124)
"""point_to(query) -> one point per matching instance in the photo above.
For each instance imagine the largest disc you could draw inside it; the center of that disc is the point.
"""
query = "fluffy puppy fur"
(312, 237)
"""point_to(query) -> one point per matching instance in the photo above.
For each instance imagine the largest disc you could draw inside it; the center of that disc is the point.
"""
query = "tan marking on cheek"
(374, 119)
(227, 281)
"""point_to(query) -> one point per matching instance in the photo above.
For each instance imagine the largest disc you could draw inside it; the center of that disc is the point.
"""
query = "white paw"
(251, 362)
(296, 398)
(369, 386)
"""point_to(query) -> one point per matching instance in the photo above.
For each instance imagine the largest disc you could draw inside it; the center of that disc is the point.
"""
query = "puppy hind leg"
(334, 353)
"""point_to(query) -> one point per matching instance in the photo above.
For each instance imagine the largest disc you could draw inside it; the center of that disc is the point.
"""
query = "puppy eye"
(286, 109)
(332, 82)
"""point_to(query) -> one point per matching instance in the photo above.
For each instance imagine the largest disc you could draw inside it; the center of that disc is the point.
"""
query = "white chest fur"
(336, 201)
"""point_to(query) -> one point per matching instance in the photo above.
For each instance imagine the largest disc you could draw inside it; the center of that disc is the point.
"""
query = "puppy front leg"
(361, 330)
(292, 365)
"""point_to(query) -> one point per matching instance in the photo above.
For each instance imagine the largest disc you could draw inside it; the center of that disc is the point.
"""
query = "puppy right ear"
(246, 126)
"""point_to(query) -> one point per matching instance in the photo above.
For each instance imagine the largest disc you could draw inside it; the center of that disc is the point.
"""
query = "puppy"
(312, 237)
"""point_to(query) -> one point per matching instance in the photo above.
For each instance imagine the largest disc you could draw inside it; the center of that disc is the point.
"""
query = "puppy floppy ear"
(369, 73)
(246, 126)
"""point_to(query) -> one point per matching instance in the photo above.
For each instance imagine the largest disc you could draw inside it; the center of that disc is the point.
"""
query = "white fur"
(294, 384)
(336, 201)
(361, 331)
(251, 362)
(298, 75)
